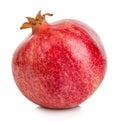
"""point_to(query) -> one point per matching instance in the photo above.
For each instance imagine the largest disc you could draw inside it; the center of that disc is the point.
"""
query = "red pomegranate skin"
(59, 65)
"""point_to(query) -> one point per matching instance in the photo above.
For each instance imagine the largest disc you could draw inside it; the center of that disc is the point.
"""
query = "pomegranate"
(59, 65)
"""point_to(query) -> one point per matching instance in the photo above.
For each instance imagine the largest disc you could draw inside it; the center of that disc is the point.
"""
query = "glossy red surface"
(61, 65)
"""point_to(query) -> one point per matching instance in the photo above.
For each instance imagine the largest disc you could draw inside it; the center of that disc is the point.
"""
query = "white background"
(103, 16)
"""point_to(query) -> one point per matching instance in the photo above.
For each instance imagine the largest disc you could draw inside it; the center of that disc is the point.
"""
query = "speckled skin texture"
(59, 66)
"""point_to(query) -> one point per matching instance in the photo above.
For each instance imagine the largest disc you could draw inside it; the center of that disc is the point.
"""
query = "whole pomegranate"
(59, 65)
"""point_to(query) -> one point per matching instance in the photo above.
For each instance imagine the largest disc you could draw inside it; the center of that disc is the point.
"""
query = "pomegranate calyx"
(35, 21)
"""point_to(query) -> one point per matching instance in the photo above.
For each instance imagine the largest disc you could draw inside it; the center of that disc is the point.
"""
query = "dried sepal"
(34, 21)
(26, 25)
(38, 16)
(30, 19)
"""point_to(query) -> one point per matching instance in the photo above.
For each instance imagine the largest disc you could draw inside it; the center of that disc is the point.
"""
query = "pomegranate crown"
(34, 21)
